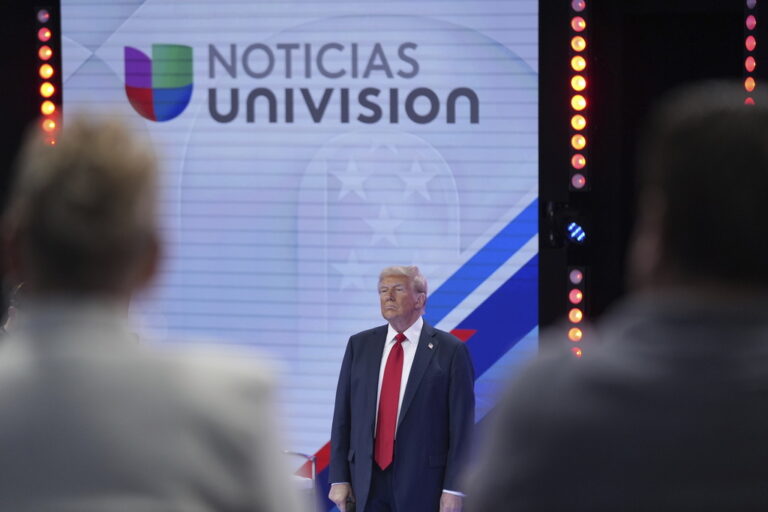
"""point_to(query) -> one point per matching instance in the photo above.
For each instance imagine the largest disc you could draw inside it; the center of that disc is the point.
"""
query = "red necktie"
(388, 401)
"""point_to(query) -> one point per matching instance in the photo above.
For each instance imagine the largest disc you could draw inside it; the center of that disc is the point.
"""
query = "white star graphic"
(416, 181)
(352, 272)
(351, 181)
(384, 227)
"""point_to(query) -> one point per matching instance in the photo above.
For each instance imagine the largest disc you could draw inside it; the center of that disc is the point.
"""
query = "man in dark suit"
(667, 410)
(404, 409)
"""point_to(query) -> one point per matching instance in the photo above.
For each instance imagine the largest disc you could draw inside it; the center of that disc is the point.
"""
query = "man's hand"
(341, 494)
(450, 502)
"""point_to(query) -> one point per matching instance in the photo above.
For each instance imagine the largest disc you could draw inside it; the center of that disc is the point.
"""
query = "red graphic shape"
(464, 334)
(141, 99)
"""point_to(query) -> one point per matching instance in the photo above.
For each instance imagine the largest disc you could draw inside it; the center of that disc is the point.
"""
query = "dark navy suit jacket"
(434, 425)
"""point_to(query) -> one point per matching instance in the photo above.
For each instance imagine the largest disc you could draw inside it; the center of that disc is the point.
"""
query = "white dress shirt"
(412, 335)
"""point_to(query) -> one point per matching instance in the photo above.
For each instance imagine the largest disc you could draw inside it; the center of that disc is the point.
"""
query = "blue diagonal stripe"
(483, 264)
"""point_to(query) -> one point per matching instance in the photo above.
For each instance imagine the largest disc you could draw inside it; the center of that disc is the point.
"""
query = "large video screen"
(306, 145)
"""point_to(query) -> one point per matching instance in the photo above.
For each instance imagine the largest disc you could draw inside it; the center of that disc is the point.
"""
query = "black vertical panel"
(637, 52)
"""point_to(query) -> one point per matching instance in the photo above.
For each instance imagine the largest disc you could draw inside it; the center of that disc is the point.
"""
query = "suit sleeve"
(341, 427)
(461, 395)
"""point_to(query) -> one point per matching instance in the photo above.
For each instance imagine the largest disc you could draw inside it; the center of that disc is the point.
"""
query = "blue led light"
(576, 233)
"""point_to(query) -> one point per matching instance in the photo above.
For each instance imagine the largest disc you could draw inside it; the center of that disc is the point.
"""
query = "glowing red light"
(45, 52)
(749, 101)
(751, 22)
(751, 43)
(44, 34)
(578, 24)
(49, 125)
(750, 64)
(575, 296)
(578, 181)
(575, 315)
(578, 161)
(577, 352)
(576, 276)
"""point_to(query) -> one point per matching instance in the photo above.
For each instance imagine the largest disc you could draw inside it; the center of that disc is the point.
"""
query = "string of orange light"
(46, 71)
(578, 175)
(750, 44)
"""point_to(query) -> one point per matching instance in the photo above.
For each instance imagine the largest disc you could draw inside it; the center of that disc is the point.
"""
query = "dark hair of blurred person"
(666, 409)
(91, 419)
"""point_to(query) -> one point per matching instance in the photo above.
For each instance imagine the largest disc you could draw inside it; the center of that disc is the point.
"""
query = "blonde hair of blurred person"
(92, 420)
(82, 215)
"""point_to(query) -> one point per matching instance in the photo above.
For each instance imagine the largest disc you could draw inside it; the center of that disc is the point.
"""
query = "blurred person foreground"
(92, 419)
(667, 411)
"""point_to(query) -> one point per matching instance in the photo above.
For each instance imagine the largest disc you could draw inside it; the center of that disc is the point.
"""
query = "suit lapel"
(372, 365)
(420, 364)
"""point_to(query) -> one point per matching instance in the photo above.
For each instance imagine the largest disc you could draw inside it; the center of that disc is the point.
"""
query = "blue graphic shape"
(170, 102)
(483, 264)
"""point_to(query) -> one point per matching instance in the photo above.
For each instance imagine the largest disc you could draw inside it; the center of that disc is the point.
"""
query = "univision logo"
(159, 88)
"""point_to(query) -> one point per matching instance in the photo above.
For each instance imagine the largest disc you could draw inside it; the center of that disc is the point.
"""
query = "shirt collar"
(412, 333)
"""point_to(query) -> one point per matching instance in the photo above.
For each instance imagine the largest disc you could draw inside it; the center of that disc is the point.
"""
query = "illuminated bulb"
(578, 181)
(750, 64)
(576, 276)
(578, 142)
(750, 43)
(578, 24)
(44, 34)
(575, 296)
(751, 22)
(47, 108)
(575, 315)
(577, 352)
(46, 71)
(578, 43)
(47, 90)
(579, 102)
(578, 5)
(749, 101)
(575, 334)
(49, 125)
(578, 122)
(578, 63)
(579, 83)
(749, 84)
(578, 161)
(45, 52)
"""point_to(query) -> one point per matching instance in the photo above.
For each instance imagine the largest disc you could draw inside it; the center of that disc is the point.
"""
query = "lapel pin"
(431, 346)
